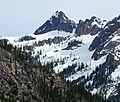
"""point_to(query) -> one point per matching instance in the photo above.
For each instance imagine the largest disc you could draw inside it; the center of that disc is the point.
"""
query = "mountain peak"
(59, 21)
(57, 13)
(60, 15)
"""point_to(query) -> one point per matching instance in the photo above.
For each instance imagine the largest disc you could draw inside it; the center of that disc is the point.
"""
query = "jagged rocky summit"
(59, 21)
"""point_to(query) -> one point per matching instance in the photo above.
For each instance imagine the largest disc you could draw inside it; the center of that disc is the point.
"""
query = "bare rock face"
(19, 81)
(89, 26)
(103, 42)
(59, 21)
(4, 55)
(26, 38)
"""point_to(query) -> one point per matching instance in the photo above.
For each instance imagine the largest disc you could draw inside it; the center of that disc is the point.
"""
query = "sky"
(19, 17)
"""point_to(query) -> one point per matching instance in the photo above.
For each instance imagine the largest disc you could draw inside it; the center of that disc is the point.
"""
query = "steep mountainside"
(24, 79)
(85, 53)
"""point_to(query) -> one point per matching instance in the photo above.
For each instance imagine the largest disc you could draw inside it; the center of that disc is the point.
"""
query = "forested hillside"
(24, 79)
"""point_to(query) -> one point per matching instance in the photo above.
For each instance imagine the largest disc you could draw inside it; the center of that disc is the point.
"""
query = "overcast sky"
(24, 16)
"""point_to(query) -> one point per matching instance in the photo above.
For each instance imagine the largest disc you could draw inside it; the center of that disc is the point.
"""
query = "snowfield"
(78, 54)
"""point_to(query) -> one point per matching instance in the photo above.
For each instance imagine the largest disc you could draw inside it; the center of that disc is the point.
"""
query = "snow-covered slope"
(87, 52)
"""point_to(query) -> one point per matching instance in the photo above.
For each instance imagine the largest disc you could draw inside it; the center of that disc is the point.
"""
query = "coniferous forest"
(23, 78)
